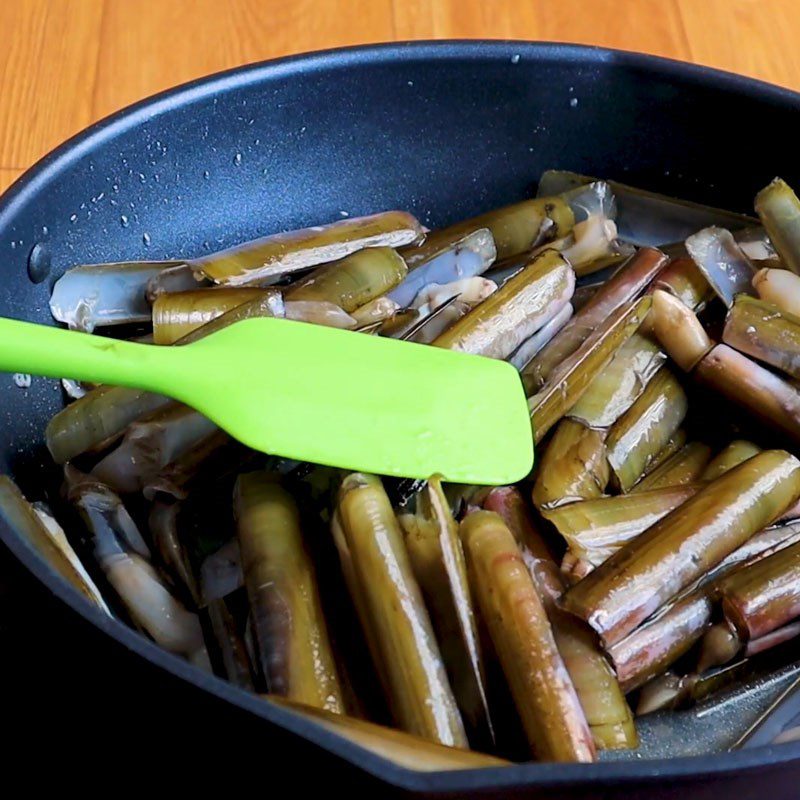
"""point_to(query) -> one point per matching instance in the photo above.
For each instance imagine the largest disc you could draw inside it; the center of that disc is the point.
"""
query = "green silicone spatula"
(315, 394)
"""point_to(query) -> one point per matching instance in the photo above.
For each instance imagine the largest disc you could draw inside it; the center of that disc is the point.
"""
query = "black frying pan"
(444, 130)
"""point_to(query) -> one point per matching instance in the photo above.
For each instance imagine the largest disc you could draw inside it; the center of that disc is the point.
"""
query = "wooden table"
(66, 63)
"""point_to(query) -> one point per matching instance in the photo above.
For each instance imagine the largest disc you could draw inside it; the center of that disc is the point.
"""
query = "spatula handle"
(58, 353)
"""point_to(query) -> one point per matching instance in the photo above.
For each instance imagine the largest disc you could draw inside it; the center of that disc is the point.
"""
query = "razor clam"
(319, 312)
(687, 465)
(574, 466)
(737, 451)
(519, 227)
(509, 504)
(757, 547)
(407, 751)
(353, 281)
(752, 387)
(682, 279)
(722, 643)
(162, 523)
(642, 432)
(150, 444)
(122, 555)
(398, 629)
(620, 384)
(93, 295)
(377, 310)
(45, 536)
(658, 643)
(773, 639)
(727, 269)
(533, 344)
(178, 313)
(221, 572)
(757, 245)
(468, 290)
(594, 241)
(626, 284)
(673, 445)
(763, 331)
(594, 198)
(639, 578)
(444, 257)
(779, 209)
(59, 538)
(214, 453)
(74, 390)
(669, 691)
(678, 330)
(596, 529)
(592, 245)
(779, 287)
(510, 606)
(719, 645)
(601, 698)
(433, 327)
(566, 385)
(268, 304)
(498, 325)
(665, 692)
(294, 651)
(764, 596)
(177, 278)
(97, 419)
(229, 643)
(271, 257)
(431, 538)
(442, 306)
(648, 218)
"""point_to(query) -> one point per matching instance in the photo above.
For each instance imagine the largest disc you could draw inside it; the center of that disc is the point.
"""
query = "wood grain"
(466, 19)
(8, 176)
(48, 59)
(650, 26)
(65, 63)
(173, 42)
(753, 37)
(647, 26)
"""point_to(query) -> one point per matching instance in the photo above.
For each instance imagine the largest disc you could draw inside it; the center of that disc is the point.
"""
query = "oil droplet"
(124, 221)
(146, 239)
(206, 174)
(23, 380)
(45, 231)
(73, 218)
(573, 103)
(39, 263)
(515, 58)
(237, 159)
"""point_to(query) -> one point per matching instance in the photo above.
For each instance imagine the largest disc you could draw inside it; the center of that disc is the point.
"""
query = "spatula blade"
(361, 402)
